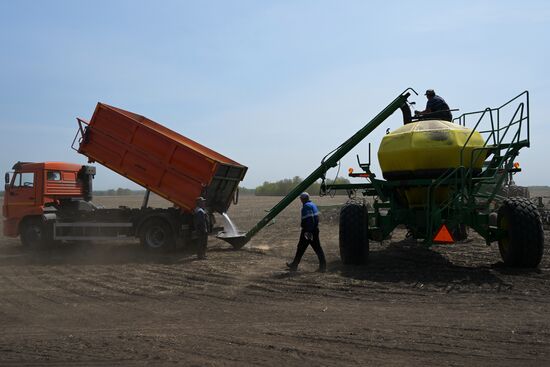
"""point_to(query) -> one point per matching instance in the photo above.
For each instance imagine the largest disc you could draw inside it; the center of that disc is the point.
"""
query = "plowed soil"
(111, 303)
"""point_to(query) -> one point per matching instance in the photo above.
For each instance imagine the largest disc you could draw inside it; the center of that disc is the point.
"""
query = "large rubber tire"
(157, 235)
(354, 234)
(34, 234)
(523, 243)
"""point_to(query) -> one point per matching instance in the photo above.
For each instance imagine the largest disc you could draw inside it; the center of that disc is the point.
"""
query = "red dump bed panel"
(169, 164)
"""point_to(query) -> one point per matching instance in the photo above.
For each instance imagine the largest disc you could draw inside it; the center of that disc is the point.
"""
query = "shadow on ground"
(93, 254)
(409, 262)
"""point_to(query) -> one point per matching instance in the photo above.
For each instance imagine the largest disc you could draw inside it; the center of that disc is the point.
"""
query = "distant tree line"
(284, 186)
(246, 191)
(118, 192)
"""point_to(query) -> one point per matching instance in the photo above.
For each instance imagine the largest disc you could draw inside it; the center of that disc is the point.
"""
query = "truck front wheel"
(157, 235)
(34, 234)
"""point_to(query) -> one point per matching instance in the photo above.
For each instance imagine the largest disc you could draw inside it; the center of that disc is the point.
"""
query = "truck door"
(20, 196)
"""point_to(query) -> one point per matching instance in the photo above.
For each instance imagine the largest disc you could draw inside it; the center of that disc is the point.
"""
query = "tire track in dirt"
(152, 281)
(34, 286)
(23, 291)
(279, 344)
(118, 281)
(66, 350)
(76, 282)
(84, 290)
(439, 274)
(520, 339)
(428, 340)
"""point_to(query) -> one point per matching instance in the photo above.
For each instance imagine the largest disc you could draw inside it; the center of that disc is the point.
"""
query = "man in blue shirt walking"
(309, 234)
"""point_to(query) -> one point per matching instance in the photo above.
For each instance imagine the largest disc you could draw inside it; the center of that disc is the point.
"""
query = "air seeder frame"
(473, 196)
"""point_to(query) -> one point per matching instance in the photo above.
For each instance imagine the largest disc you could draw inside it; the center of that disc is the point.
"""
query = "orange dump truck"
(51, 201)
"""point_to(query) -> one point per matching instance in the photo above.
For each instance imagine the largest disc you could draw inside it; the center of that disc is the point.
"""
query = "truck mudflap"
(9, 228)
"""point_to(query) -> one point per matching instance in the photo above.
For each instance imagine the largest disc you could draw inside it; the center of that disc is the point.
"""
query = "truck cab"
(50, 202)
(32, 187)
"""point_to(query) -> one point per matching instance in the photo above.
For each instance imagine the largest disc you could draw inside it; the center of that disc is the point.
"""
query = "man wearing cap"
(436, 108)
(309, 234)
(200, 220)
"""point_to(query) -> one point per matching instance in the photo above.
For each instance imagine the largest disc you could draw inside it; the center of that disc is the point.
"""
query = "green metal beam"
(330, 162)
(348, 186)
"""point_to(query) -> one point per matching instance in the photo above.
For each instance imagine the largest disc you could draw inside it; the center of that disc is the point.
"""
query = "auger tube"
(329, 162)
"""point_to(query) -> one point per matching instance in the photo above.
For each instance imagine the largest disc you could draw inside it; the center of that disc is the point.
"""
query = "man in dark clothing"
(436, 108)
(200, 220)
(309, 234)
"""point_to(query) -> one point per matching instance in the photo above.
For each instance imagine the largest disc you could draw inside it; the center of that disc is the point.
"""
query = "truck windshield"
(24, 179)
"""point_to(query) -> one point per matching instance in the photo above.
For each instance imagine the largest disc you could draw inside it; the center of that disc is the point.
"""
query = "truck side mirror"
(7, 178)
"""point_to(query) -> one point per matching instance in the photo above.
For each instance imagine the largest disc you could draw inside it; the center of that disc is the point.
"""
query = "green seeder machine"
(439, 179)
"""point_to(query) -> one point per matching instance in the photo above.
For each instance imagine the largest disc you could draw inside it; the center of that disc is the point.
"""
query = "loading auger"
(320, 172)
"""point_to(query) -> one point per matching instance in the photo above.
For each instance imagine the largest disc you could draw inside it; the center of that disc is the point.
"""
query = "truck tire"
(523, 242)
(34, 234)
(157, 235)
(354, 239)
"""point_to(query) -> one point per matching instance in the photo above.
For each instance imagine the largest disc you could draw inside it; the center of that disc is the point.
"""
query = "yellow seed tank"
(427, 149)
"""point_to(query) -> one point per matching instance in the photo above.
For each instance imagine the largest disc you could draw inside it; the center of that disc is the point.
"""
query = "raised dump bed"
(159, 159)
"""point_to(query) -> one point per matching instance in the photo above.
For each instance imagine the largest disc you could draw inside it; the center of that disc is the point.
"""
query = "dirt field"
(114, 304)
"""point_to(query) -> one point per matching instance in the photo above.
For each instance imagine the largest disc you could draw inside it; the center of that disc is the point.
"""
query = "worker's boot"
(322, 260)
(291, 266)
(301, 248)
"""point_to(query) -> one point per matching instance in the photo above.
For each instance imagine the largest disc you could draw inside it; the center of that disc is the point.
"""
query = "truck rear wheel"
(157, 235)
(354, 239)
(523, 242)
(34, 234)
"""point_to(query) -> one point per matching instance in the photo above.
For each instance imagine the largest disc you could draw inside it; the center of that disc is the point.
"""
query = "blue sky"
(275, 85)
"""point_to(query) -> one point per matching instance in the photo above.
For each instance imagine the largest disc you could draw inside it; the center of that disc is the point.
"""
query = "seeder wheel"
(354, 234)
(523, 244)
